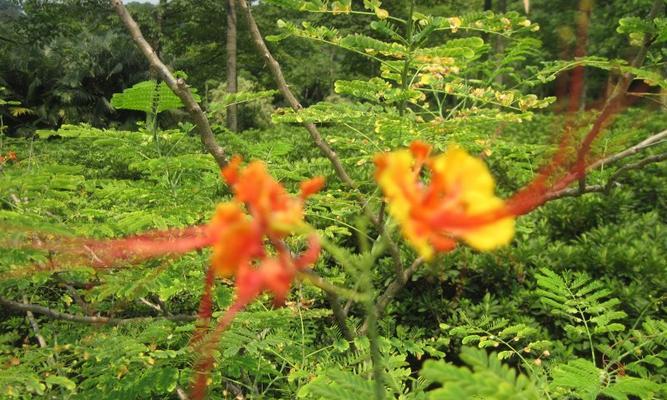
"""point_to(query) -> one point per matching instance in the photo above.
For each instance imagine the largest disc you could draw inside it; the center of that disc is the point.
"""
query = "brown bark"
(488, 5)
(232, 77)
(577, 92)
(499, 45)
(277, 72)
(54, 314)
(178, 86)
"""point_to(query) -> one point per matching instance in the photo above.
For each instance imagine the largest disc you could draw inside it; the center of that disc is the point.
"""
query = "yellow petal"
(491, 236)
(460, 172)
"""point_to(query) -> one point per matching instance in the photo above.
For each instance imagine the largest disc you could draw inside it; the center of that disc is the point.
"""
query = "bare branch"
(638, 165)
(277, 72)
(178, 86)
(606, 188)
(181, 394)
(48, 312)
(34, 325)
(151, 305)
(648, 142)
(231, 71)
(340, 316)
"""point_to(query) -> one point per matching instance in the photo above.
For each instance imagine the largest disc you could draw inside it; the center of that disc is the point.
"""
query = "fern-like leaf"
(486, 378)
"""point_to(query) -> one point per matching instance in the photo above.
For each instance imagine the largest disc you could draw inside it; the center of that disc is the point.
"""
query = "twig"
(34, 325)
(284, 89)
(50, 360)
(236, 390)
(637, 165)
(606, 188)
(326, 286)
(392, 290)
(648, 142)
(571, 192)
(75, 295)
(151, 305)
(181, 394)
(37, 309)
(178, 86)
(393, 246)
(340, 316)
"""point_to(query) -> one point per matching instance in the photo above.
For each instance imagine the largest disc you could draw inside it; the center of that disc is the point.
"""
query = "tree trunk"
(499, 45)
(284, 89)
(178, 86)
(577, 87)
(488, 5)
(232, 78)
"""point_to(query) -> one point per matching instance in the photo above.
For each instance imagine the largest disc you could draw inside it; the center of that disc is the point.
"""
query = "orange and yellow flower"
(458, 202)
(266, 198)
(238, 241)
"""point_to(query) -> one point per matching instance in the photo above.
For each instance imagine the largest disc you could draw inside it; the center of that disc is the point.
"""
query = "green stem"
(588, 331)
(376, 355)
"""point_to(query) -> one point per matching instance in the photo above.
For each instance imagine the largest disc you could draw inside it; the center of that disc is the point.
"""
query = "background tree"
(232, 77)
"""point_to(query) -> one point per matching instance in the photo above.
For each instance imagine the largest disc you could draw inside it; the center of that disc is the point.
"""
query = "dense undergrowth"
(572, 308)
(581, 271)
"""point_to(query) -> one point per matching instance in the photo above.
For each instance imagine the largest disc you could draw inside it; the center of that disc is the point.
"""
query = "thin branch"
(648, 142)
(284, 89)
(340, 316)
(34, 325)
(75, 294)
(606, 188)
(638, 165)
(181, 394)
(178, 86)
(48, 312)
(394, 250)
(392, 290)
(236, 390)
(582, 189)
(151, 305)
(328, 287)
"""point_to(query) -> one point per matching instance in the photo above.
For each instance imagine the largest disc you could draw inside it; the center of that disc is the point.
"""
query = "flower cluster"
(457, 201)
(238, 240)
(247, 236)
(238, 237)
(10, 156)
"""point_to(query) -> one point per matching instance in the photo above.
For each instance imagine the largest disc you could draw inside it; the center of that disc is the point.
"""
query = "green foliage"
(573, 309)
(518, 338)
(553, 69)
(254, 105)
(583, 301)
(582, 378)
(147, 96)
(486, 378)
(348, 374)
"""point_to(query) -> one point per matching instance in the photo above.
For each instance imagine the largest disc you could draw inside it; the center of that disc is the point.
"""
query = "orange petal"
(311, 186)
(311, 254)
(420, 150)
(277, 279)
(231, 171)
